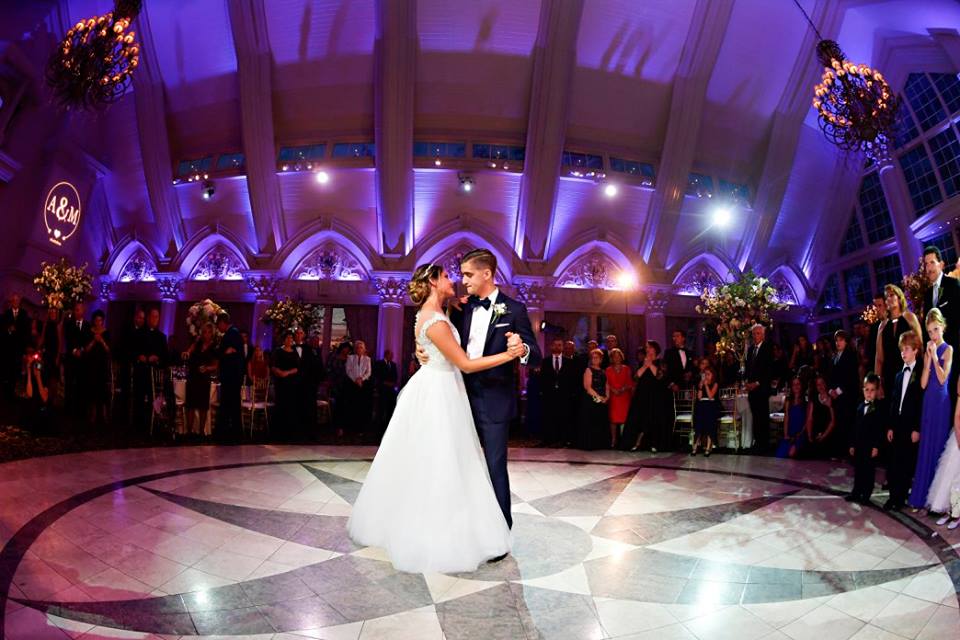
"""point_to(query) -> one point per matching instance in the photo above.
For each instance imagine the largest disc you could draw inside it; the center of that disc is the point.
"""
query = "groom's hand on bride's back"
(422, 356)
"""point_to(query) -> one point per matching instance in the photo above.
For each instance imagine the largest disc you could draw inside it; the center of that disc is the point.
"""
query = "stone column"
(901, 213)
(327, 332)
(106, 294)
(655, 318)
(531, 293)
(170, 289)
(264, 287)
(392, 292)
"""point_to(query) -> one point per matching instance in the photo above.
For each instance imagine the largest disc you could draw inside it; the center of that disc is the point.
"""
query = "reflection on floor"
(250, 542)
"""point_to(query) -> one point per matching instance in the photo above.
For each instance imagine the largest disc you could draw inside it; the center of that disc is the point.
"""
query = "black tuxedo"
(845, 375)
(75, 339)
(232, 370)
(16, 329)
(676, 372)
(145, 344)
(760, 370)
(868, 433)
(903, 421)
(948, 301)
(311, 373)
(493, 393)
(559, 392)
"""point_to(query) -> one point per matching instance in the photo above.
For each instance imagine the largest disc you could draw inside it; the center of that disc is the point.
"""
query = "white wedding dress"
(427, 499)
(947, 477)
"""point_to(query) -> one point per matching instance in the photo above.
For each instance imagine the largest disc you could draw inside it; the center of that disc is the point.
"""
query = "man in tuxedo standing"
(76, 336)
(558, 379)
(386, 376)
(844, 386)
(232, 369)
(944, 294)
(310, 373)
(15, 326)
(247, 350)
(758, 373)
(150, 354)
(678, 362)
(904, 432)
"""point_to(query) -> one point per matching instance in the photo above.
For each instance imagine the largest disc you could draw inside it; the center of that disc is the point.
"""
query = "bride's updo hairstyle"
(419, 285)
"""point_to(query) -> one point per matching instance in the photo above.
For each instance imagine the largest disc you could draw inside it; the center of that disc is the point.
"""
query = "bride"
(427, 498)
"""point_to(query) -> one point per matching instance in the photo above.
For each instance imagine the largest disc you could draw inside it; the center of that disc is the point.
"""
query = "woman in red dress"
(620, 383)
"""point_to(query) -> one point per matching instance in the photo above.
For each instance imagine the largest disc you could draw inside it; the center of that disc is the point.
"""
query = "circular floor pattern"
(251, 542)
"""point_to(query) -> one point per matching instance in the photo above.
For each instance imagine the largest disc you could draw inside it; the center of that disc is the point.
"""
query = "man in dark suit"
(247, 350)
(231, 378)
(944, 293)
(386, 376)
(149, 354)
(844, 389)
(311, 372)
(758, 374)
(76, 336)
(558, 383)
(679, 363)
(484, 322)
(904, 431)
(15, 326)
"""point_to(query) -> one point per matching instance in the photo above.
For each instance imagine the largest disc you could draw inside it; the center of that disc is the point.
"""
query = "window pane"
(857, 282)
(876, 216)
(887, 270)
(948, 84)
(230, 161)
(946, 153)
(354, 150)
(921, 180)
(830, 296)
(853, 238)
(905, 130)
(923, 98)
(699, 185)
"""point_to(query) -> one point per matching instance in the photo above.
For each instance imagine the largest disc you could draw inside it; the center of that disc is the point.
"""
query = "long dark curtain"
(362, 325)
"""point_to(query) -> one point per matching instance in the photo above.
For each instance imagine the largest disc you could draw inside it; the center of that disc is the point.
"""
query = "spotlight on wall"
(610, 190)
(208, 189)
(466, 182)
(722, 216)
(437, 162)
(626, 280)
(322, 177)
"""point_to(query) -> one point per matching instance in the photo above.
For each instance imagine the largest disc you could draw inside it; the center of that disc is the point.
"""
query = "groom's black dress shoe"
(498, 558)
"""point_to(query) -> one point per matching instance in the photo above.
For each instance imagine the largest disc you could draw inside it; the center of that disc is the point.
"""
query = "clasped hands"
(515, 348)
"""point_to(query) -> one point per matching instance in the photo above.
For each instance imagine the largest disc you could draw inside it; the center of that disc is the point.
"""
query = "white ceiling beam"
(248, 22)
(708, 27)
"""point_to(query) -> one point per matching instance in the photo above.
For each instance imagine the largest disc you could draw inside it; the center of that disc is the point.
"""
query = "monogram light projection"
(61, 212)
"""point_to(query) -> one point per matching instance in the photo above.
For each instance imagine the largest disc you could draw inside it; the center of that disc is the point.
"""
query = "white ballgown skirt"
(427, 498)
(946, 478)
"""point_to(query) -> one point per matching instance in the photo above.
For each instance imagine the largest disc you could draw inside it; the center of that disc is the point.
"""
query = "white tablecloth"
(746, 418)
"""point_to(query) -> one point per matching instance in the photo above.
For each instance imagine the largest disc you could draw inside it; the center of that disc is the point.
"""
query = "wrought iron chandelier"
(93, 65)
(857, 110)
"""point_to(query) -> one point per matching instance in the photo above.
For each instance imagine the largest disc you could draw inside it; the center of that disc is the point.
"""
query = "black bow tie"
(483, 302)
(907, 369)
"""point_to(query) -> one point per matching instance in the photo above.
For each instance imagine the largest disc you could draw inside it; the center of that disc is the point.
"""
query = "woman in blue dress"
(936, 421)
(797, 414)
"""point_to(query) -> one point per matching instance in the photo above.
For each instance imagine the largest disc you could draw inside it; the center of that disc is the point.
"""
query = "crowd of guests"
(67, 370)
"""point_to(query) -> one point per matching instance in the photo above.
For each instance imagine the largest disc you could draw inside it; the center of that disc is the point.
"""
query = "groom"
(484, 322)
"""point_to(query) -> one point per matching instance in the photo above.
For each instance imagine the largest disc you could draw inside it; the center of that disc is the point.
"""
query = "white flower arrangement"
(200, 313)
(62, 284)
(290, 315)
(737, 306)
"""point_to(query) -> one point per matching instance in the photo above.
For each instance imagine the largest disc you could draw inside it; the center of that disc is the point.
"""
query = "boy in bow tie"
(865, 437)
(904, 431)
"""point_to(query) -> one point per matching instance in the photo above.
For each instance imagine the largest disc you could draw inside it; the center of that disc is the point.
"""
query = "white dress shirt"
(906, 383)
(479, 324)
(683, 358)
(935, 290)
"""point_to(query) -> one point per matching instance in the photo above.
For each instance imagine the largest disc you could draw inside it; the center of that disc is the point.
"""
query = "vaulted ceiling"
(720, 87)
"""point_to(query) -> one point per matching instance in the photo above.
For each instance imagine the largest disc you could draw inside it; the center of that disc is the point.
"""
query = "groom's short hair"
(482, 257)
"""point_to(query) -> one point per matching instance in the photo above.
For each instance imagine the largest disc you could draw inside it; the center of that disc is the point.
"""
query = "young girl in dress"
(935, 413)
(798, 418)
(706, 414)
(944, 494)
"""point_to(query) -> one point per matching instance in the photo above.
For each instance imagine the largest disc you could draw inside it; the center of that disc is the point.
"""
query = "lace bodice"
(437, 359)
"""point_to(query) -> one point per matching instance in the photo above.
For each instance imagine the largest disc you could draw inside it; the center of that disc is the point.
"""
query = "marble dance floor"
(250, 542)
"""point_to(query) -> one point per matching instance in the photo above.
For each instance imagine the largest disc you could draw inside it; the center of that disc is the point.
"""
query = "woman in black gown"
(647, 420)
(286, 373)
(96, 360)
(201, 363)
(593, 428)
(899, 320)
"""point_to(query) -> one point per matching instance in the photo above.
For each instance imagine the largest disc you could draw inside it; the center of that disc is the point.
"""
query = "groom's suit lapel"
(493, 323)
(465, 328)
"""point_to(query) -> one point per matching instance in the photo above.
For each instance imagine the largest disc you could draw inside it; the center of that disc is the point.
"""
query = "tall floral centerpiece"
(62, 284)
(200, 313)
(290, 314)
(736, 306)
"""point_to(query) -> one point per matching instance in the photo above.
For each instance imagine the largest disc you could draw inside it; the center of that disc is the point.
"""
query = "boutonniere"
(499, 310)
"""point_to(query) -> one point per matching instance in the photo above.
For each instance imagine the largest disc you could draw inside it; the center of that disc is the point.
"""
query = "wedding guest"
(935, 413)
(311, 373)
(15, 335)
(258, 368)
(150, 354)
(583, 359)
(339, 386)
(286, 375)
(202, 360)
(560, 380)
(678, 362)
(729, 369)
(823, 356)
(844, 390)
(229, 426)
(758, 374)
(34, 395)
(386, 378)
(899, 319)
(125, 354)
(648, 419)
(865, 438)
(247, 351)
(943, 294)
(593, 404)
(620, 385)
(77, 336)
(797, 420)
(879, 305)
(823, 424)
(609, 344)
(802, 354)
(904, 432)
(779, 368)
(359, 369)
(96, 370)
(706, 414)
(50, 349)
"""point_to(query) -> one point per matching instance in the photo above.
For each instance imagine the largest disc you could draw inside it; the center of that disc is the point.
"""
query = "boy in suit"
(865, 438)
(904, 431)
